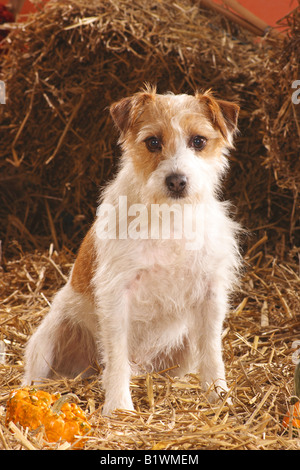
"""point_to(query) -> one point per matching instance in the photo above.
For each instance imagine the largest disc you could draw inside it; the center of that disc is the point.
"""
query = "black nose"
(176, 184)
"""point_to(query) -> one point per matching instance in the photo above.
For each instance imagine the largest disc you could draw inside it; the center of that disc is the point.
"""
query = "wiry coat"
(135, 301)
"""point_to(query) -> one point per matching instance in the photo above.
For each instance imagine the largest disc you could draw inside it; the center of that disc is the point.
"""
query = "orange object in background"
(22, 7)
(6, 16)
(269, 11)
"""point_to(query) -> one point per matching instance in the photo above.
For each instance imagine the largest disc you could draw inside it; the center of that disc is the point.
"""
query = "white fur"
(156, 302)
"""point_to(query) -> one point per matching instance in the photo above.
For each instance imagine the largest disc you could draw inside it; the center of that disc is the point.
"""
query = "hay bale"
(65, 66)
(280, 115)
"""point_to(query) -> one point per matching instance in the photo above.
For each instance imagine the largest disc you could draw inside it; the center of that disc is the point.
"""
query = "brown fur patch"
(222, 114)
(154, 120)
(84, 266)
(145, 162)
(126, 111)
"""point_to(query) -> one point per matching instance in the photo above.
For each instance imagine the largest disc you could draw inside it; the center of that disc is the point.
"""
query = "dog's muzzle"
(176, 185)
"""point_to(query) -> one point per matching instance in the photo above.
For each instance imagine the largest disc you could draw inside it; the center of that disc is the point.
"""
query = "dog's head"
(177, 143)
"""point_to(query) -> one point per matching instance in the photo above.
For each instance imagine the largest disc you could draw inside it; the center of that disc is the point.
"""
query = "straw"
(62, 69)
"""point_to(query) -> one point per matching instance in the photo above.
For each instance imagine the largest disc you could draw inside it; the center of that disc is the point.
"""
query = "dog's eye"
(153, 144)
(198, 142)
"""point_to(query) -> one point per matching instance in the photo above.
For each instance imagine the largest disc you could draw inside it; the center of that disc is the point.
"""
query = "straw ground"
(172, 414)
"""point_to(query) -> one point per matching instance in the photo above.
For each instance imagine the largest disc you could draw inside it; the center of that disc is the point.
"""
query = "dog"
(137, 300)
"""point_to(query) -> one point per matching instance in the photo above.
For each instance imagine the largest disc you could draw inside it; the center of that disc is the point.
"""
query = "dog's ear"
(120, 112)
(222, 114)
(126, 111)
(230, 113)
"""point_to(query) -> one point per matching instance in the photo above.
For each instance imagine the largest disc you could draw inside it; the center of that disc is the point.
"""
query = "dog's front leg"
(211, 365)
(114, 325)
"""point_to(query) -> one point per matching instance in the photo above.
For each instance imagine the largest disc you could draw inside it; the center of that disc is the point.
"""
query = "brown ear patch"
(230, 112)
(222, 114)
(126, 111)
(120, 112)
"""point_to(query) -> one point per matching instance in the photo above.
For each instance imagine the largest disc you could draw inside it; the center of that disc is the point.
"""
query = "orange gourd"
(296, 404)
(295, 418)
(33, 408)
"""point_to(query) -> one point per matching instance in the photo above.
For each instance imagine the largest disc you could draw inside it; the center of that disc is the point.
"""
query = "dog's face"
(176, 143)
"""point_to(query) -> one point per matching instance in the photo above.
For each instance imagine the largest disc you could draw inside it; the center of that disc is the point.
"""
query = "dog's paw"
(110, 406)
(218, 396)
(216, 392)
(213, 397)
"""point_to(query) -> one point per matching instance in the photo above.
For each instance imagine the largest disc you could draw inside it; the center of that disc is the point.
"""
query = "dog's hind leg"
(64, 342)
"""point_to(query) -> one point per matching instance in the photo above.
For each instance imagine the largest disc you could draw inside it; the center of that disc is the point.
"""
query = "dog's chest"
(171, 281)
